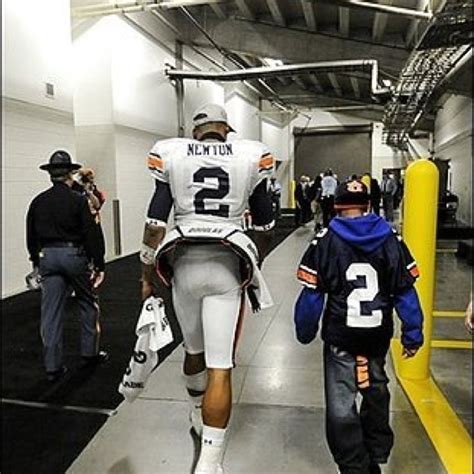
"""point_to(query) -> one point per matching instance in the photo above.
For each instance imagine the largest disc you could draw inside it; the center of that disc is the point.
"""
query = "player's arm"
(407, 303)
(310, 304)
(153, 233)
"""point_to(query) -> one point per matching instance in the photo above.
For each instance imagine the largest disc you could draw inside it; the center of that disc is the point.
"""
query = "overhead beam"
(344, 21)
(412, 31)
(276, 12)
(335, 83)
(408, 12)
(355, 87)
(293, 46)
(316, 83)
(380, 23)
(218, 10)
(308, 11)
(299, 82)
(245, 9)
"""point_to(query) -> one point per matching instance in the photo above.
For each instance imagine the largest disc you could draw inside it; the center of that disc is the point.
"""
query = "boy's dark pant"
(356, 439)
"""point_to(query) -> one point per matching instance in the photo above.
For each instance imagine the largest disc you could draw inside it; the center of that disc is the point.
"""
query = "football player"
(365, 271)
(207, 259)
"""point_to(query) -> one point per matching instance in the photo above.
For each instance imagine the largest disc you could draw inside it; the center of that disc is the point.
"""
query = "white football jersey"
(210, 181)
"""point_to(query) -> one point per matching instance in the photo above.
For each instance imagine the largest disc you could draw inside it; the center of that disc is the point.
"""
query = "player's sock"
(196, 386)
(212, 450)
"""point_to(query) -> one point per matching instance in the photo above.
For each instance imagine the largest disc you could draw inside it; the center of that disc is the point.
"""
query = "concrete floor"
(278, 418)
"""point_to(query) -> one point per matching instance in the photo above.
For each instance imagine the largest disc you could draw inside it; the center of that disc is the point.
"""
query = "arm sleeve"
(260, 204)
(308, 271)
(410, 313)
(157, 163)
(93, 236)
(308, 311)
(32, 242)
(160, 205)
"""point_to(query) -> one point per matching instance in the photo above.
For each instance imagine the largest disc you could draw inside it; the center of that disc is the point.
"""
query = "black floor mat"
(22, 370)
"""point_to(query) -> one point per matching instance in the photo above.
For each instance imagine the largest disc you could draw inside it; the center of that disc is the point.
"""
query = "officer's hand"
(97, 278)
(407, 353)
(147, 289)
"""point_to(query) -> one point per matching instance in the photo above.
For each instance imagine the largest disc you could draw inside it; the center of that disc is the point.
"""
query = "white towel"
(153, 333)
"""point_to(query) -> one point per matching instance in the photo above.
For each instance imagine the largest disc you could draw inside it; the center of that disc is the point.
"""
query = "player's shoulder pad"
(166, 147)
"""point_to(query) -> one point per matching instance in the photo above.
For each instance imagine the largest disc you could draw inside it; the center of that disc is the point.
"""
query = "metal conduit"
(288, 70)
(394, 10)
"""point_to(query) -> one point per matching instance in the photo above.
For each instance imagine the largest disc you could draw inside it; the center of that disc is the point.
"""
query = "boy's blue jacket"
(355, 302)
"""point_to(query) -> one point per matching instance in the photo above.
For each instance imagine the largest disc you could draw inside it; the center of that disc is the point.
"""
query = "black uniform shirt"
(60, 214)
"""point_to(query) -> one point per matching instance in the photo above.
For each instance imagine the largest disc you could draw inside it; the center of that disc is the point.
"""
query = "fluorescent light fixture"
(186, 3)
(273, 62)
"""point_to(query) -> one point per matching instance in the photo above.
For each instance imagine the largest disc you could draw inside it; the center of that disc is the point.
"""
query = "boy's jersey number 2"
(355, 318)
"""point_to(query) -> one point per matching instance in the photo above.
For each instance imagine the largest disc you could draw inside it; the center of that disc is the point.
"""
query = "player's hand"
(147, 289)
(408, 353)
(97, 278)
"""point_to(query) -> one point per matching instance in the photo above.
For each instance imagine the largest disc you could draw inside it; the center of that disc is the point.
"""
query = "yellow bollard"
(420, 212)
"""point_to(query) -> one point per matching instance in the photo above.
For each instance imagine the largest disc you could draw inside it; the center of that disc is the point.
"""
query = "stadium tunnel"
(383, 87)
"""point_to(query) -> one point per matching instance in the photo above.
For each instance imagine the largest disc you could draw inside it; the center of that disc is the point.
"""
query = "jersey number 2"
(355, 318)
(221, 210)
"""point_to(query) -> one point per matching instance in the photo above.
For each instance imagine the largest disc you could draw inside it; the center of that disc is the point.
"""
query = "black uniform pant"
(388, 206)
(62, 268)
(356, 438)
(327, 206)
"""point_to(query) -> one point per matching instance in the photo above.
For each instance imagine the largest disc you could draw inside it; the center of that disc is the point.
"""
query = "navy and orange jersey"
(361, 265)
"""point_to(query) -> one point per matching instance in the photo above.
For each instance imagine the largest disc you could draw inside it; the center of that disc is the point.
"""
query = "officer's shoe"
(99, 358)
(55, 375)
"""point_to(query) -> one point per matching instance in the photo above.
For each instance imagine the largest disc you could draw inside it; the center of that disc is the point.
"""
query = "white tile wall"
(30, 134)
(134, 183)
(453, 140)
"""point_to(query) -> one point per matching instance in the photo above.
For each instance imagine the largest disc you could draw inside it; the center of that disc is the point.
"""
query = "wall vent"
(49, 90)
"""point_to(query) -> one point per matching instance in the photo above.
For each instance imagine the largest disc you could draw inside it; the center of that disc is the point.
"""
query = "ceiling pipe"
(288, 70)
(135, 6)
(380, 7)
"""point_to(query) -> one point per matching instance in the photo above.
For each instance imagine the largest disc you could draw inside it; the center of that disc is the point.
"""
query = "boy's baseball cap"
(210, 113)
(351, 194)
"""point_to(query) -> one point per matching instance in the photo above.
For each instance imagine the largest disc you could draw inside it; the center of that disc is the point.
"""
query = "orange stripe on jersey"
(307, 277)
(415, 273)
(266, 161)
(154, 162)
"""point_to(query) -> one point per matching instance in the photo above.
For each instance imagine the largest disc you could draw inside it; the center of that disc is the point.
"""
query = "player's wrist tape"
(147, 255)
(265, 227)
(155, 222)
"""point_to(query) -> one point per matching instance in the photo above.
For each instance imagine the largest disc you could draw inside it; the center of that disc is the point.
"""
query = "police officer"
(64, 244)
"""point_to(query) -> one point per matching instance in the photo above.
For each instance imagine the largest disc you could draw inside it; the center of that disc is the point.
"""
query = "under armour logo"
(208, 441)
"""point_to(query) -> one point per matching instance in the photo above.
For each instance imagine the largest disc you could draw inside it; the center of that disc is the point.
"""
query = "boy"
(365, 270)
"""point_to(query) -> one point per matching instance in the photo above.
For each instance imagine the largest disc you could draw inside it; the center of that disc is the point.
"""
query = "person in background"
(375, 196)
(388, 189)
(275, 193)
(315, 197)
(302, 201)
(64, 245)
(212, 259)
(328, 188)
(364, 270)
(85, 184)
